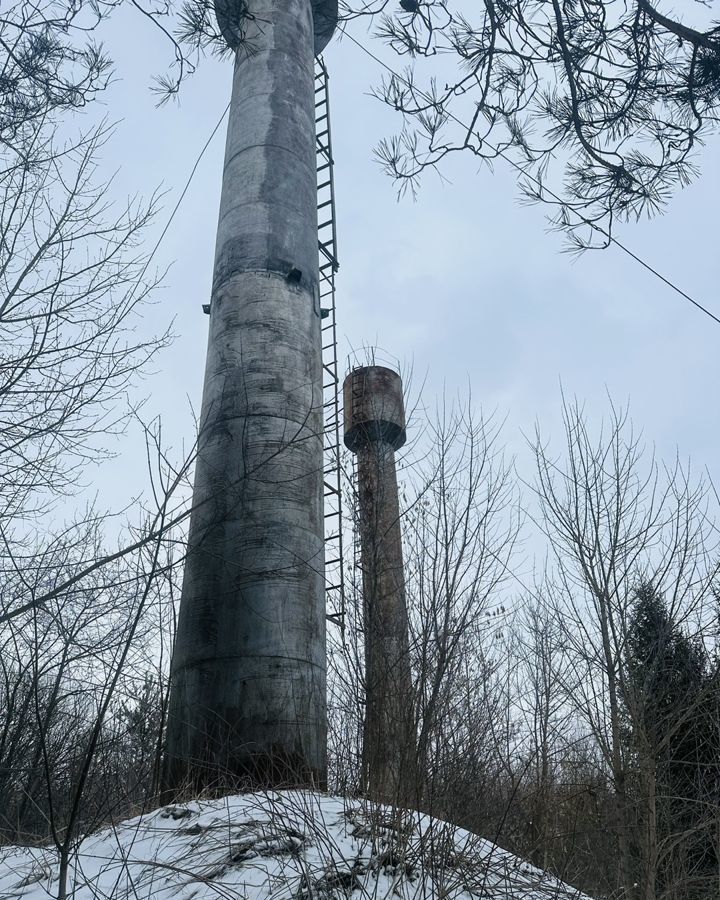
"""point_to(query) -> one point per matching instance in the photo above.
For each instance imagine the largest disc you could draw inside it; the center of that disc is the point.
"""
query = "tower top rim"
(325, 18)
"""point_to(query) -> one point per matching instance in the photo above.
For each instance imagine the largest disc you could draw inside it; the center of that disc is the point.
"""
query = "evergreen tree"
(672, 699)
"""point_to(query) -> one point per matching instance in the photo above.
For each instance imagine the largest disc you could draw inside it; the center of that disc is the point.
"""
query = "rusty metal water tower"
(247, 689)
(374, 430)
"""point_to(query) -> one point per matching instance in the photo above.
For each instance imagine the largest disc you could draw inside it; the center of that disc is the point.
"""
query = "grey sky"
(465, 284)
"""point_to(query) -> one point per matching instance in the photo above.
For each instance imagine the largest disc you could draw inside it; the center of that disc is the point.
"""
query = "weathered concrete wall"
(248, 672)
(374, 429)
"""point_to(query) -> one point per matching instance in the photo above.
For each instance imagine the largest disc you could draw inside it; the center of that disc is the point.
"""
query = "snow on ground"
(281, 846)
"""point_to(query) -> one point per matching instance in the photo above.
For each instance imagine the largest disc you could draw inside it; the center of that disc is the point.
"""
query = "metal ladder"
(328, 267)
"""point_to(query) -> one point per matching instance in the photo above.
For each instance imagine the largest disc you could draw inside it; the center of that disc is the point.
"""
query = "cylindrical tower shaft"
(247, 693)
(374, 430)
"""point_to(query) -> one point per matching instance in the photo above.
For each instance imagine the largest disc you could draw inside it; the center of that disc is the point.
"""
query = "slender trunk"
(63, 873)
(542, 825)
(622, 820)
(650, 860)
(35, 772)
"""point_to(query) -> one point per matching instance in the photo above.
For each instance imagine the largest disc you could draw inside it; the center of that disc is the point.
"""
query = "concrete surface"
(248, 672)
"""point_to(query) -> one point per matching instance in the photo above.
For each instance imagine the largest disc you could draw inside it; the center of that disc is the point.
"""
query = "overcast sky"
(465, 284)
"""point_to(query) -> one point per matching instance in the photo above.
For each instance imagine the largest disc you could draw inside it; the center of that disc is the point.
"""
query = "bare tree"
(85, 677)
(546, 725)
(615, 520)
(460, 535)
(79, 600)
(72, 282)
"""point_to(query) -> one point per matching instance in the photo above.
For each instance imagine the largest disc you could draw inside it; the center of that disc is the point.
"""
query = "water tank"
(374, 407)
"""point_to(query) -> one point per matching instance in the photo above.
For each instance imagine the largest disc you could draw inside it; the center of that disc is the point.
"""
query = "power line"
(540, 185)
(137, 281)
(198, 160)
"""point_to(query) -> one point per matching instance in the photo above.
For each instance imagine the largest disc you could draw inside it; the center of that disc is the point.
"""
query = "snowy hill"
(281, 846)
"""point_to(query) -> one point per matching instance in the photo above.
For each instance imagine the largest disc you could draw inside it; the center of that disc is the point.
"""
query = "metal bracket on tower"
(328, 267)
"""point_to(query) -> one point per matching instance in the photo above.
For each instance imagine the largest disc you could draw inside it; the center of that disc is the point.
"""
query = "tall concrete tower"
(247, 690)
(374, 430)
